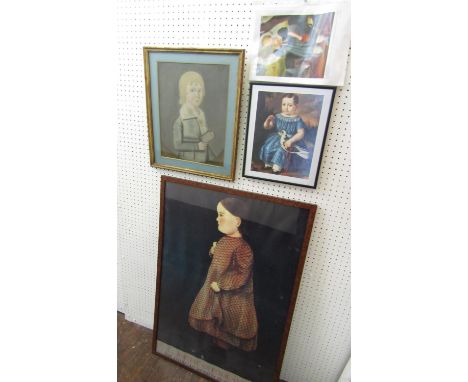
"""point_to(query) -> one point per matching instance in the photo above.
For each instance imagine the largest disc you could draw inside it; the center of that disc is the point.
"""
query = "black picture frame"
(265, 155)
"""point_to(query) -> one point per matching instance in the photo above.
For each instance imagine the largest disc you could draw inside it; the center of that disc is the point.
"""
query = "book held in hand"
(190, 130)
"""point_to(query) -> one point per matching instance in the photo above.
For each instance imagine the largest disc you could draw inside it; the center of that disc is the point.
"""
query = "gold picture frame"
(193, 105)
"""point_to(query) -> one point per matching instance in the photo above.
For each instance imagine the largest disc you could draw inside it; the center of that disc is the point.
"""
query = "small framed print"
(192, 99)
(305, 44)
(286, 133)
(229, 268)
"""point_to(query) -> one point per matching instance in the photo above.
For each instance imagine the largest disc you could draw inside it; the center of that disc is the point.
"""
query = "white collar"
(188, 111)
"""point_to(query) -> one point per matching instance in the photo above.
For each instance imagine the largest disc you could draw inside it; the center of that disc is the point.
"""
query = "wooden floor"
(136, 363)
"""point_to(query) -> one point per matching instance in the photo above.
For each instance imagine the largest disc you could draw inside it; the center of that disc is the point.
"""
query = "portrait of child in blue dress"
(285, 147)
(286, 132)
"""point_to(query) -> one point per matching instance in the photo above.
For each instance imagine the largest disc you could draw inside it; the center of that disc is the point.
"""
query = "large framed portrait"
(192, 99)
(305, 44)
(286, 132)
(228, 273)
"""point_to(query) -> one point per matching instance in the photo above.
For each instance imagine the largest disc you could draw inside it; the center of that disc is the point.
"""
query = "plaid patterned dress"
(229, 314)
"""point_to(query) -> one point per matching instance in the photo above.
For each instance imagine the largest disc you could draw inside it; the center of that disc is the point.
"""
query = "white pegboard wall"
(319, 341)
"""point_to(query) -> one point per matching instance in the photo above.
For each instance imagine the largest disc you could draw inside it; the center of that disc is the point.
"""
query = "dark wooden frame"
(250, 128)
(300, 265)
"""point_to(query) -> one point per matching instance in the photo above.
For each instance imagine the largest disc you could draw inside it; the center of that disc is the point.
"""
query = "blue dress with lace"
(272, 152)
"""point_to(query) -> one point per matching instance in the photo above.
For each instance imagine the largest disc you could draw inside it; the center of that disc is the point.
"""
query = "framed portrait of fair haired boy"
(287, 128)
(192, 102)
(228, 273)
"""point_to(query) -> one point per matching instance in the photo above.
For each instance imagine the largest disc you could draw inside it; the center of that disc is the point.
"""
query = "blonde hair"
(186, 79)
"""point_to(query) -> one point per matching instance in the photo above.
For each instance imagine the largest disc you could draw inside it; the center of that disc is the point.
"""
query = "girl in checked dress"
(224, 307)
